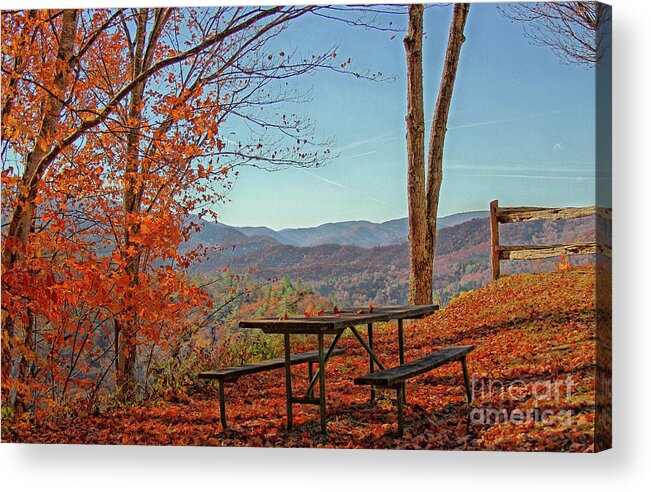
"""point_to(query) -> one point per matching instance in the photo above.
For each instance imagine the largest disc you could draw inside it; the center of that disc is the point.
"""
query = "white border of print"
(42, 467)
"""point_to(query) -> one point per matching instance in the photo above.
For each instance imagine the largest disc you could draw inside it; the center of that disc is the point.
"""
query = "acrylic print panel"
(380, 226)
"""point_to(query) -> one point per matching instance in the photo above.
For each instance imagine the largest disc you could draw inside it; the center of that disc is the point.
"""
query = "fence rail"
(506, 215)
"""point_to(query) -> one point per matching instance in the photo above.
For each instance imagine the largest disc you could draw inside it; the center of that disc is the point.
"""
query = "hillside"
(360, 275)
(531, 332)
(360, 233)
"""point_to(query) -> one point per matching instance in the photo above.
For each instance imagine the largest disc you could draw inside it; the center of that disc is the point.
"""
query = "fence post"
(495, 241)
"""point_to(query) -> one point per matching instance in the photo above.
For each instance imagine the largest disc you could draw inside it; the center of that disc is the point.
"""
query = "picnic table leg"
(400, 398)
(465, 379)
(401, 342)
(222, 404)
(314, 378)
(366, 347)
(401, 349)
(288, 381)
(322, 385)
(310, 376)
(370, 359)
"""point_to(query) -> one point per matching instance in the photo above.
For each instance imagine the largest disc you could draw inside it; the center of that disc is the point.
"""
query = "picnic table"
(331, 323)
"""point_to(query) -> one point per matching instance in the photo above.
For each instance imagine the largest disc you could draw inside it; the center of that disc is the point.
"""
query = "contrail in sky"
(378, 138)
(361, 154)
(348, 188)
(507, 168)
(525, 176)
(508, 120)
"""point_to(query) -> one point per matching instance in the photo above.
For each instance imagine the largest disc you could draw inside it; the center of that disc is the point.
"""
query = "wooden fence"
(533, 252)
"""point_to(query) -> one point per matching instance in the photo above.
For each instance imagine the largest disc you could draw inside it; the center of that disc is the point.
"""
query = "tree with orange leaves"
(111, 124)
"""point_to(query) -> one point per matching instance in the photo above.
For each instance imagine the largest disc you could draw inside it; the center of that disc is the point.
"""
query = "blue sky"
(521, 127)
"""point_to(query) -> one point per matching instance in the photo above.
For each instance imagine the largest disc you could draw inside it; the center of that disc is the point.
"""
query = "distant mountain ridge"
(360, 233)
(356, 274)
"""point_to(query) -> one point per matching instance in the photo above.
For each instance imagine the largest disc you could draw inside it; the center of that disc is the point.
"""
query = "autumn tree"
(39, 52)
(174, 142)
(424, 185)
(118, 113)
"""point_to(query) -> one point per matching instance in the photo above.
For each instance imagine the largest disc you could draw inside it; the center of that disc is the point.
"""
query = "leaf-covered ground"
(533, 373)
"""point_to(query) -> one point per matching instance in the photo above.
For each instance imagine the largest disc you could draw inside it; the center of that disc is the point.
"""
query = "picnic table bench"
(334, 323)
(395, 377)
(232, 374)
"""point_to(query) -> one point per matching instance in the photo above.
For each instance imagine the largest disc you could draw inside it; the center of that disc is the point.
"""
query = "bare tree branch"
(573, 30)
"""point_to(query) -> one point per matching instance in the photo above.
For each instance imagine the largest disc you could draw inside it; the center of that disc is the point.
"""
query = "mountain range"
(360, 262)
(360, 233)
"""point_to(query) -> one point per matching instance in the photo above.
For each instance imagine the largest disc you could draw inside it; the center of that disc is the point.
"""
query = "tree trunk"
(420, 269)
(423, 196)
(24, 215)
(126, 332)
(22, 219)
(440, 122)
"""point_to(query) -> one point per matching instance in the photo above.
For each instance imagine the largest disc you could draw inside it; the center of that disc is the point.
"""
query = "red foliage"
(111, 144)
(531, 332)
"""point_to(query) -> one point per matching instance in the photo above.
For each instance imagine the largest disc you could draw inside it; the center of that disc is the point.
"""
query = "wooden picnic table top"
(335, 323)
